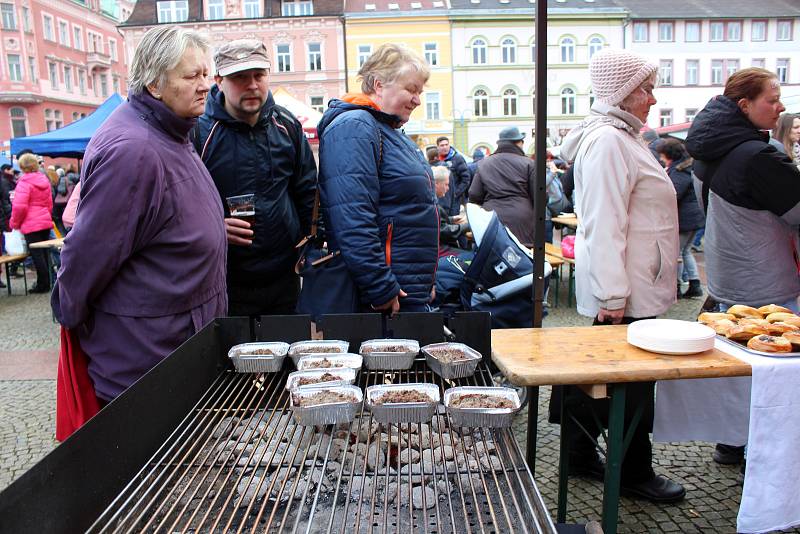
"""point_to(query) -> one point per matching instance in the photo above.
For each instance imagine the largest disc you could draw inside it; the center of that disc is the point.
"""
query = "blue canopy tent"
(71, 140)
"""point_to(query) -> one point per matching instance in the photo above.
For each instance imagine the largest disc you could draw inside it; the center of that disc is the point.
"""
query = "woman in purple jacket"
(144, 265)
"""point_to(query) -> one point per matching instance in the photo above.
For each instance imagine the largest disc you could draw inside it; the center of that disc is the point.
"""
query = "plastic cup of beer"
(243, 207)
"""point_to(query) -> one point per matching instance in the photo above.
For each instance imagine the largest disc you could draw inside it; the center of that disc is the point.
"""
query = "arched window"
(18, 127)
(509, 102)
(567, 101)
(478, 51)
(509, 48)
(481, 103)
(595, 45)
(567, 50)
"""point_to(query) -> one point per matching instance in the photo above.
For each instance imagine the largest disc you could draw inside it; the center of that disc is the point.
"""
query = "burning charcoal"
(342, 434)
(417, 497)
(475, 479)
(359, 449)
(439, 423)
(445, 451)
(391, 492)
(368, 431)
(225, 427)
(413, 440)
(484, 448)
(250, 488)
(425, 440)
(356, 490)
(333, 467)
(440, 440)
(394, 441)
(409, 456)
(376, 458)
(414, 470)
(491, 462)
(444, 488)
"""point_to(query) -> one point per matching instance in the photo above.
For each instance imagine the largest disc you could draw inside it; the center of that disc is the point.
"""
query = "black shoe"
(595, 469)
(694, 291)
(37, 289)
(728, 454)
(658, 489)
(2, 285)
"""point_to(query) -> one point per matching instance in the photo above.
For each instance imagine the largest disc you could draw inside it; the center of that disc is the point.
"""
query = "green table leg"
(615, 454)
(563, 460)
(533, 427)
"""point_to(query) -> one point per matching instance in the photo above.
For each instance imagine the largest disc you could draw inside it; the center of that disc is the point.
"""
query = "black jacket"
(5, 205)
(690, 215)
(273, 160)
(460, 179)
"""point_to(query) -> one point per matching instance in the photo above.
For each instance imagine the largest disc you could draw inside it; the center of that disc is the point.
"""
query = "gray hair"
(441, 174)
(387, 64)
(161, 50)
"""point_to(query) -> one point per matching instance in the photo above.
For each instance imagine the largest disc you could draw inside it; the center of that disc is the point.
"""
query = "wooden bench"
(14, 258)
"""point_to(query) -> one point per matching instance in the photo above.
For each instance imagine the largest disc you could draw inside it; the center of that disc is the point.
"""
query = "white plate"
(669, 336)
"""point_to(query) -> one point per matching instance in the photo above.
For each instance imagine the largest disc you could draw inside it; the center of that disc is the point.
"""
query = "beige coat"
(626, 248)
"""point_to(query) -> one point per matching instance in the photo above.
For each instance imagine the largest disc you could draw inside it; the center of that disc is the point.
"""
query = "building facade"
(303, 36)
(59, 60)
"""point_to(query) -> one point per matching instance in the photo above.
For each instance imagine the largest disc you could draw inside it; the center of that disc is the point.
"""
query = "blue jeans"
(698, 238)
(689, 266)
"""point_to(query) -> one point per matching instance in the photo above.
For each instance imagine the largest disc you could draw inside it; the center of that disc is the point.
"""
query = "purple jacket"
(144, 266)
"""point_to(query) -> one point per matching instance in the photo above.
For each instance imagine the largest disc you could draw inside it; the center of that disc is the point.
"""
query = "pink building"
(304, 36)
(59, 60)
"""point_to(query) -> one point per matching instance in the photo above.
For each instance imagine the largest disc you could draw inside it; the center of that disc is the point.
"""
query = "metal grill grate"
(263, 473)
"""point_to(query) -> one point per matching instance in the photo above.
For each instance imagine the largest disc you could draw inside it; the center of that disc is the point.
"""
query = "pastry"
(722, 326)
(793, 337)
(745, 332)
(769, 344)
(753, 320)
(710, 317)
(773, 308)
(740, 310)
(776, 329)
(794, 321)
(780, 316)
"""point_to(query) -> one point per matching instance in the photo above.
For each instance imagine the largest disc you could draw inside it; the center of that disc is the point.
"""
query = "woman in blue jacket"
(376, 189)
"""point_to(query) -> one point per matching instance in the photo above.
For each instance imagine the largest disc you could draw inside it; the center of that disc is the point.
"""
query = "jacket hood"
(36, 180)
(336, 107)
(719, 128)
(215, 106)
(601, 115)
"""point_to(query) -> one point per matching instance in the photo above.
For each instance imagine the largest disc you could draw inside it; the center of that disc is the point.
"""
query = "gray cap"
(511, 133)
(240, 55)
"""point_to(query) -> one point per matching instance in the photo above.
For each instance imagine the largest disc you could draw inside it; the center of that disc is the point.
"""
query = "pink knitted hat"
(616, 73)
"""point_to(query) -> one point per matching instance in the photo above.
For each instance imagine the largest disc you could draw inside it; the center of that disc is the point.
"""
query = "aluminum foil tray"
(745, 348)
(258, 363)
(324, 346)
(407, 412)
(346, 375)
(456, 369)
(353, 361)
(325, 414)
(382, 360)
(482, 417)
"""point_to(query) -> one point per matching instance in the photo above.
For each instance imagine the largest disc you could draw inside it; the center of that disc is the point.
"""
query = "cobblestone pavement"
(27, 425)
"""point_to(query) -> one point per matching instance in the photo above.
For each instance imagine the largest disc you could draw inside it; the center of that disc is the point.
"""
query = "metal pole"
(540, 195)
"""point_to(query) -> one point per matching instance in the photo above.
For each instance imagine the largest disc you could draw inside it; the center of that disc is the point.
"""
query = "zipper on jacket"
(438, 229)
(389, 230)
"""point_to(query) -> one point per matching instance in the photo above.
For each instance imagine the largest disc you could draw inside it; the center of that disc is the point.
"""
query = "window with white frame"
(665, 72)
(731, 66)
(52, 71)
(112, 49)
(480, 103)
(782, 70)
(432, 101)
(758, 30)
(104, 85)
(691, 113)
(758, 62)
(19, 127)
(314, 56)
(784, 30)
(509, 50)
(509, 103)
(252, 9)
(665, 117)
(318, 103)
(172, 10)
(82, 81)
(76, 116)
(717, 72)
(666, 31)
(14, 67)
(77, 37)
(431, 53)
(716, 31)
(595, 45)
(53, 119)
(692, 29)
(68, 78)
(26, 19)
(216, 9)
(297, 8)
(115, 83)
(567, 46)
(47, 28)
(692, 72)
(364, 51)
(478, 52)
(640, 32)
(567, 101)
(95, 84)
(63, 32)
(733, 30)
(8, 15)
(284, 56)
(32, 68)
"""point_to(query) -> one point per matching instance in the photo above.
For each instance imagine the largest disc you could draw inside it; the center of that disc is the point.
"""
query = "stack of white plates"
(668, 336)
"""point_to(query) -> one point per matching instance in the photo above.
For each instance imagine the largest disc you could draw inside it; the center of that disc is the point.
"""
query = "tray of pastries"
(770, 330)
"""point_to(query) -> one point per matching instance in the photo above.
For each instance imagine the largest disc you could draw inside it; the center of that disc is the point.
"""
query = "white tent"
(308, 116)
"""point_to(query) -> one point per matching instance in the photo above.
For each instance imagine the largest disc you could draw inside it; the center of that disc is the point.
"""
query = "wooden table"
(600, 360)
(571, 222)
(57, 243)
(7, 260)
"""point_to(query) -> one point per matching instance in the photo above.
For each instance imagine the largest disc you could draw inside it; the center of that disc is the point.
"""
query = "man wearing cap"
(459, 176)
(250, 145)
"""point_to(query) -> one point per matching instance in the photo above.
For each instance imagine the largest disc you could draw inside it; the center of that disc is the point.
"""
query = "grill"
(235, 461)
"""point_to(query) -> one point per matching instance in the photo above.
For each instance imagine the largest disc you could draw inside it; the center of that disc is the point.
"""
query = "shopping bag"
(15, 242)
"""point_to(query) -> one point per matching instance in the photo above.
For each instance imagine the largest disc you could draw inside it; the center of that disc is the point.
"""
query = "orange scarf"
(360, 99)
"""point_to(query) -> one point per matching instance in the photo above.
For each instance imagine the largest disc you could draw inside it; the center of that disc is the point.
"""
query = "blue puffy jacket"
(378, 202)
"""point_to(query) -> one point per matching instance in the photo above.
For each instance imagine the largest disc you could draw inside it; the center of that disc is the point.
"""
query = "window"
(665, 71)
(533, 52)
(104, 85)
(47, 27)
(252, 8)
(731, 66)
(9, 16)
(112, 49)
(284, 58)
(14, 68)
(567, 50)
(314, 56)
(666, 31)
(432, 106)
(784, 30)
(26, 19)
(479, 52)
(68, 78)
(692, 71)
(53, 119)
(721, 69)
(509, 102)
(640, 32)
(716, 72)
(216, 9)
(76, 116)
(691, 113)
(431, 53)
(318, 103)
(665, 118)
(782, 70)
(693, 32)
(725, 31)
(173, 10)
(297, 8)
(509, 51)
(32, 67)
(758, 62)
(52, 70)
(567, 101)
(77, 37)
(595, 45)
(364, 51)
(115, 83)
(733, 31)
(18, 127)
(481, 103)
(82, 81)
(716, 31)
(63, 32)
(758, 30)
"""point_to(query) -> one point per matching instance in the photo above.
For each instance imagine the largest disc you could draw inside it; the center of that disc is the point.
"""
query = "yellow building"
(426, 31)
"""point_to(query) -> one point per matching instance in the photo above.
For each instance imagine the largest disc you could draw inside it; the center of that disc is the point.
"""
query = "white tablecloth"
(716, 410)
